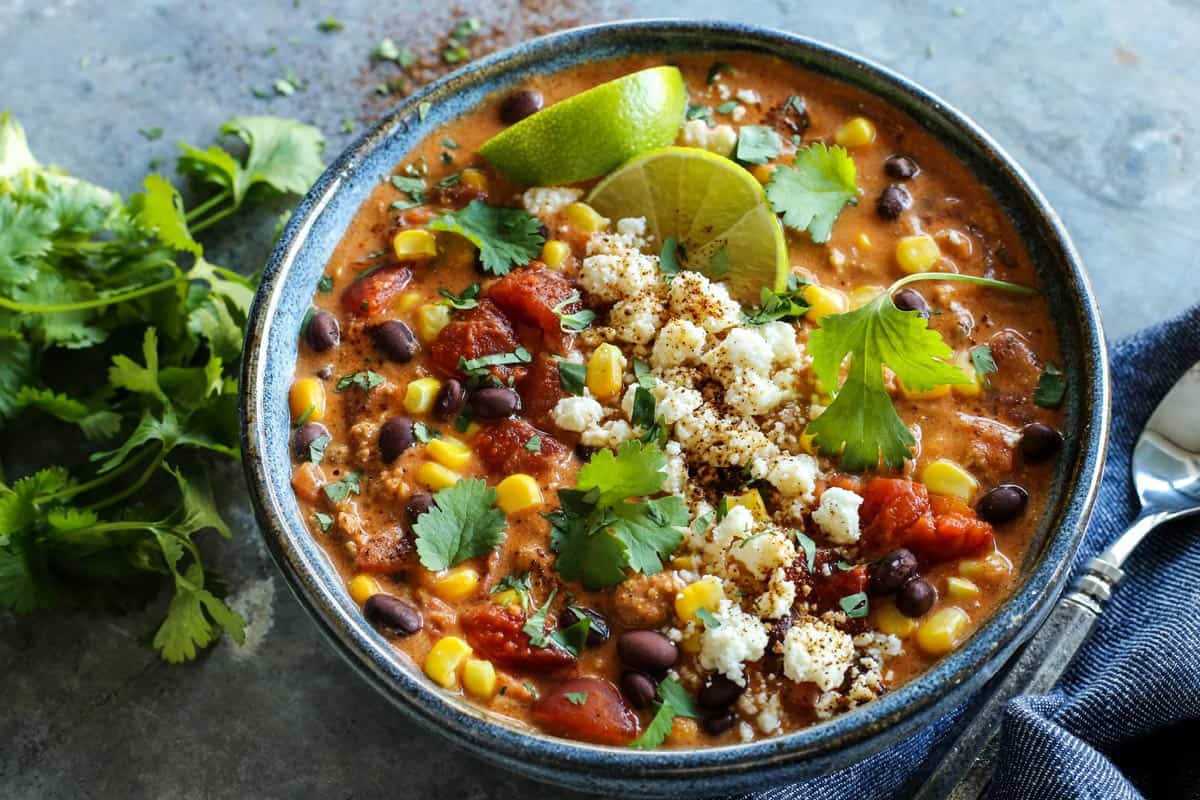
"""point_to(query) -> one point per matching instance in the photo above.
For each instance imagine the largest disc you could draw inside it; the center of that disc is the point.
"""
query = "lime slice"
(710, 206)
(593, 132)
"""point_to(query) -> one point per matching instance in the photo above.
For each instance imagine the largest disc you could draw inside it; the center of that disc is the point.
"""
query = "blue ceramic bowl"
(300, 258)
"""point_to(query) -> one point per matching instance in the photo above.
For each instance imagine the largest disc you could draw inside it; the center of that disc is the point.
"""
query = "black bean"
(304, 436)
(893, 201)
(716, 724)
(417, 505)
(638, 688)
(1039, 442)
(597, 625)
(901, 168)
(392, 615)
(718, 692)
(323, 332)
(395, 436)
(892, 571)
(495, 402)
(916, 597)
(450, 399)
(647, 650)
(583, 452)
(1005, 502)
(912, 300)
(519, 105)
(396, 341)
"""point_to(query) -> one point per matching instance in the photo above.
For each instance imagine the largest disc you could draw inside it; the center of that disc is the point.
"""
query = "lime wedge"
(593, 132)
(714, 209)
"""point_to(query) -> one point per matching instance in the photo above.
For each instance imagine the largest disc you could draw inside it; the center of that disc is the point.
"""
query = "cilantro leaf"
(535, 626)
(774, 306)
(576, 698)
(811, 193)
(673, 701)
(668, 259)
(574, 637)
(463, 524)
(984, 363)
(1051, 387)
(571, 376)
(100, 423)
(649, 531)
(577, 321)
(856, 605)
(517, 583)
(16, 367)
(24, 236)
(338, 491)
(757, 144)
(462, 302)
(160, 210)
(365, 379)
(506, 237)
(635, 470)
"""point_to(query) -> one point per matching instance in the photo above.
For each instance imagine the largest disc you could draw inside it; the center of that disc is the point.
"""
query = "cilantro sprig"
(126, 285)
(813, 191)
(463, 523)
(673, 701)
(775, 306)
(861, 426)
(506, 237)
(605, 526)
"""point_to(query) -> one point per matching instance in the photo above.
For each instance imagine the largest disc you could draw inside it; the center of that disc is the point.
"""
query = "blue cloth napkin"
(1125, 720)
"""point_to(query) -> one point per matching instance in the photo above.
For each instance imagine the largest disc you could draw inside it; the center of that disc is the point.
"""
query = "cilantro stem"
(82, 488)
(991, 283)
(216, 199)
(135, 486)
(212, 220)
(99, 302)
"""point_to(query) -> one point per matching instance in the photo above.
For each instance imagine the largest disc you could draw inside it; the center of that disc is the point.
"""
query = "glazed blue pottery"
(271, 347)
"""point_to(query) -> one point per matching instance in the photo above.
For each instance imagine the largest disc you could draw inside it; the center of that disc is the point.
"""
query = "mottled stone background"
(1097, 99)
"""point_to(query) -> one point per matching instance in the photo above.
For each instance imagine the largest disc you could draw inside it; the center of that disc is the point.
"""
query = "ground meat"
(386, 551)
(646, 601)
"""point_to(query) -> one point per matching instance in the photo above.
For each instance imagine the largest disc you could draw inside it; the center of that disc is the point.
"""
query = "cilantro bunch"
(119, 341)
(603, 527)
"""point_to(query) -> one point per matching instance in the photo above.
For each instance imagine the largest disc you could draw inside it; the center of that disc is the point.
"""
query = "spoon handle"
(967, 766)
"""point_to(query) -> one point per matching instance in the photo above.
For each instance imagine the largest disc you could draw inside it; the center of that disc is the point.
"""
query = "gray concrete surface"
(1097, 99)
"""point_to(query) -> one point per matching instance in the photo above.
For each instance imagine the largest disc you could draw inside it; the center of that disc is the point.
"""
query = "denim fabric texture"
(1124, 722)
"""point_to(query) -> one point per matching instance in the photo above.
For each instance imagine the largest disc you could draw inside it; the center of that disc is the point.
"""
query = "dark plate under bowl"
(300, 258)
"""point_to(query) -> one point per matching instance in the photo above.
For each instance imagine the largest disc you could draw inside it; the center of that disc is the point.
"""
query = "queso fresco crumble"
(593, 461)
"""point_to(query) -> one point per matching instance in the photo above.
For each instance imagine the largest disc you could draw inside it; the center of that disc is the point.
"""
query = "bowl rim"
(585, 765)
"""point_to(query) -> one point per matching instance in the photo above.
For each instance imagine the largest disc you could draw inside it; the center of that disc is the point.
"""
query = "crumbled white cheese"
(694, 297)
(712, 438)
(794, 476)
(769, 718)
(748, 96)
(739, 638)
(719, 139)
(549, 200)
(615, 268)
(679, 342)
(782, 338)
(609, 434)
(815, 651)
(753, 395)
(675, 470)
(675, 402)
(779, 597)
(577, 413)
(837, 515)
(633, 229)
(763, 552)
(636, 319)
(742, 348)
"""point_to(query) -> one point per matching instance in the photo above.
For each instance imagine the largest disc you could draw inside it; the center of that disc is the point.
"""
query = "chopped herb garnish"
(533, 690)
(571, 376)
(414, 187)
(506, 237)
(449, 143)
(718, 265)
(325, 284)
(641, 371)
(464, 301)
(324, 521)
(984, 363)
(517, 583)
(706, 616)
(700, 112)
(534, 444)
(643, 408)
(1051, 387)
(449, 180)
(477, 366)
(843, 565)
(855, 605)
(303, 418)
(810, 550)
(423, 433)
(758, 144)
(722, 508)
(576, 698)
(574, 638)
(577, 321)
(786, 305)
(727, 107)
(316, 448)
(340, 490)
(535, 626)
(718, 69)
(674, 701)
(668, 259)
(365, 380)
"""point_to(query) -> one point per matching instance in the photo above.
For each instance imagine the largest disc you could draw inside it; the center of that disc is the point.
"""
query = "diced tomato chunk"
(386, 551)
(588, 709)
(502, 448)
(541, 390)
(495, 632)
(481, 331)
(829, 589)
(900, 513)
(530, 295)
(373, 291)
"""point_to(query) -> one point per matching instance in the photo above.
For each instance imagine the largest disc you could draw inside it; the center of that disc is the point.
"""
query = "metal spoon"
(1166, 474)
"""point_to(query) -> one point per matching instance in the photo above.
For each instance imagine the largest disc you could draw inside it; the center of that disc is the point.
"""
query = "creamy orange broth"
(975, 238)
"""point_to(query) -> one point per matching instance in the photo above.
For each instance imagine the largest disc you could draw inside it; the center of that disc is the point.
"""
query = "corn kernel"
(449, 452)
(763, 173)
(431, 318)
(975, 387)
(604, 371)
(508, 597)
(362, 587)
(855, 133)
(705, 593)
(479, 678)
(306, 399)
(456, 584)
(475, 178)
(941, 390)
(861, 295)
(585, 218)
(808, 442)
(414, 244)
(555, 253)
(942, 476)
(889, 620)
(961, 588)
(823, 301)
(862, 241)
(408, 301)
(688, 562)
(445, 660)
(944, 631)
(420, 394)
(517, 493)
(436, 477)
(917, 253)
(992, 568)
(752, 501)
